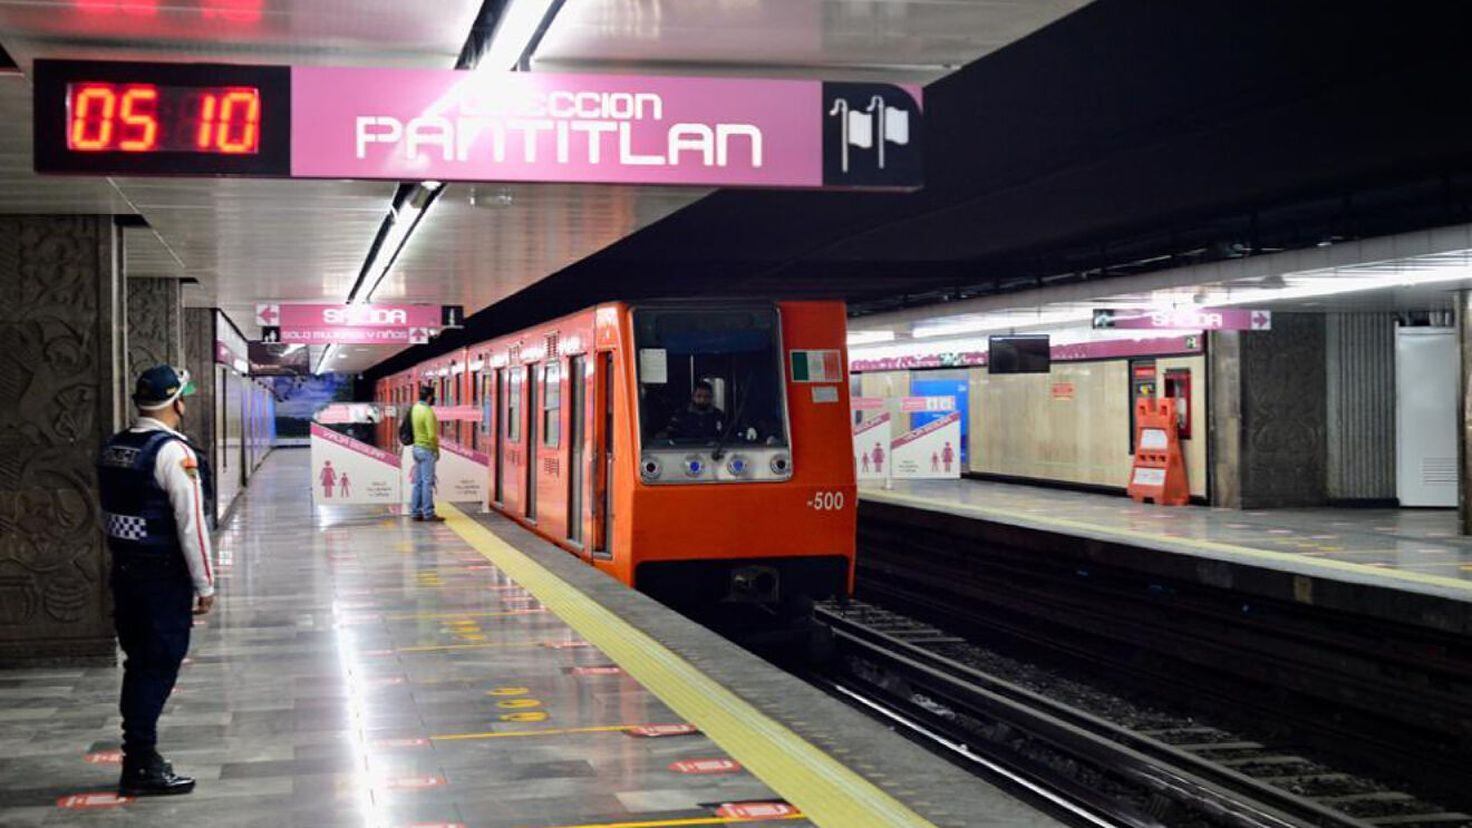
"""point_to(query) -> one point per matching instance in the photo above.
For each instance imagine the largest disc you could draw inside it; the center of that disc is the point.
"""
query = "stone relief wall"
(1269, 415)
(155, 319)
(60, 349)
(199, 358)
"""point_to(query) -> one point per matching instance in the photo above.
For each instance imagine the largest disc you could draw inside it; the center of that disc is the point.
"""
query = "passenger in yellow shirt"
(426, 452)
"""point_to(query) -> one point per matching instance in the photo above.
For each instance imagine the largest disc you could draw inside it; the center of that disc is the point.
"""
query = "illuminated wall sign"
(1185, 318)
(420, 124)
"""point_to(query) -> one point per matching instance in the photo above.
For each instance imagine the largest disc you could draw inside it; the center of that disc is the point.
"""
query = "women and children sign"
(348, 472)
(931, 451)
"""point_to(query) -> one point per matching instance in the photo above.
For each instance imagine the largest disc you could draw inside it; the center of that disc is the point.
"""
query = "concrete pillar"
(155, 324)
(1269, 422)
(1464, 410)
(61, 362)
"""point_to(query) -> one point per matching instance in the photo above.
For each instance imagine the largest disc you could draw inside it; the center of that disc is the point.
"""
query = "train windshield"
(710, 377)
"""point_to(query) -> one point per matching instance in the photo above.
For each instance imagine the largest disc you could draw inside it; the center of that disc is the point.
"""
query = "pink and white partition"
(348, 472)
(462, 475)
(929, 452)
(872, 448)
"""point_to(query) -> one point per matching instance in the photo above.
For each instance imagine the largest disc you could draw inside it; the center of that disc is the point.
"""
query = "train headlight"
(737, 466)
(781, 464)
(694, 466)
(650, 468)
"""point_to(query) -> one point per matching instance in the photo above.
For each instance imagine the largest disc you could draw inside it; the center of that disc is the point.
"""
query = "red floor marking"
(755, 810)
(437, 825)
(386, 681)
(654, 731)
(401, 743)
(375, 653)
(598, 671)
(88, 801)
(705, 766)
(567, 645)
(416, 783)
(104, 757)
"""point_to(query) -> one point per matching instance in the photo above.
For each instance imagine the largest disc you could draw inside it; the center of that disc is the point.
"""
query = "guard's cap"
(160, 385)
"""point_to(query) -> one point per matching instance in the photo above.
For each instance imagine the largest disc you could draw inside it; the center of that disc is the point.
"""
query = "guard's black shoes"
(154, 777)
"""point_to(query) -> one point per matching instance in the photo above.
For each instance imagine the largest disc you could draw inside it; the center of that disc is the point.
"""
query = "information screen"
(117, 118)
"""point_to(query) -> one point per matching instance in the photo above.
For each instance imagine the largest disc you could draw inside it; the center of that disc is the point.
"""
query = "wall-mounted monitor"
(1021, 354)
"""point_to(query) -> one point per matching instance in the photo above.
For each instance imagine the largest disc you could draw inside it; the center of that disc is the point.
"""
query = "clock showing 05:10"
(146, 117)
(121, 118)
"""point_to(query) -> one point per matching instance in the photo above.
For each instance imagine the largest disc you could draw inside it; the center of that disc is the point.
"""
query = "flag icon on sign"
(859, 126)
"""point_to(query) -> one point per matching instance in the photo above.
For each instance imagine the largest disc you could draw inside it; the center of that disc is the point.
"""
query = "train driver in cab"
(700, 420)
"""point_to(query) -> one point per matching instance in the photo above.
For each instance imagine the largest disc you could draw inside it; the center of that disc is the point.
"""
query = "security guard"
(154, 485)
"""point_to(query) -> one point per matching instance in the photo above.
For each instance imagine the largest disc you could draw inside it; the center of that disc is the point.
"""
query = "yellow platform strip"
(674, 823)
(1027, 520)
(826, 791)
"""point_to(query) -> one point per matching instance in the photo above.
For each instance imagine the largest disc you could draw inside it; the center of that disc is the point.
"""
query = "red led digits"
(93, 106)
(139, 114)
(142, 117)
(240, 117)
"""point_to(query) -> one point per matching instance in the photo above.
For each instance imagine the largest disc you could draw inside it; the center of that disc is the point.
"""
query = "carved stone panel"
(59, 355)
(155, 324)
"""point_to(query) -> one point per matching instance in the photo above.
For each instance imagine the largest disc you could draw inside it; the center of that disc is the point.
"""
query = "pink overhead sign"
(357, 316)
(328, 335)
(422, 124)
(1186, 319)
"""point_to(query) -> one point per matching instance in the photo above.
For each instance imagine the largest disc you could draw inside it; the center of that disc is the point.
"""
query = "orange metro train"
(588, 426)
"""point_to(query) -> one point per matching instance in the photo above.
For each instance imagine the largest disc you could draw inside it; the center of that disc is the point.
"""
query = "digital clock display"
(117, 118)
(146, 117)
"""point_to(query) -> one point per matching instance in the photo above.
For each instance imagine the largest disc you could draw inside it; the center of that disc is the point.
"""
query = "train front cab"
(764, 513)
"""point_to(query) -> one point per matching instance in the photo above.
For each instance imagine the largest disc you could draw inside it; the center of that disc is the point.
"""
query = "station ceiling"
(248, 241)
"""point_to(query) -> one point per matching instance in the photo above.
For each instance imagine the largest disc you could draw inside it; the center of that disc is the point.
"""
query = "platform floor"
(375, 672)
(1416, 550)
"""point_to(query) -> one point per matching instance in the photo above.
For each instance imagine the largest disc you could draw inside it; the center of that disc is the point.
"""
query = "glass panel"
(709, 376)
(513, 408)
(551, 404)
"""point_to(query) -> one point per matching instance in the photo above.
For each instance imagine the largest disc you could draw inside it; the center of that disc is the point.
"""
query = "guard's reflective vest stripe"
(136, 513)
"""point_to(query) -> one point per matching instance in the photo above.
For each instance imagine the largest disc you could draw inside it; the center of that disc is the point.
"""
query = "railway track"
(1085, 768)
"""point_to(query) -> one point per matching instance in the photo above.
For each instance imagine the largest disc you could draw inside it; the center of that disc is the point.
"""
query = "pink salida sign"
(422, 124)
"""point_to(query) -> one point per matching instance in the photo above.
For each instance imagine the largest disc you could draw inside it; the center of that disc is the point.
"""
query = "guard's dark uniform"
(153, 591)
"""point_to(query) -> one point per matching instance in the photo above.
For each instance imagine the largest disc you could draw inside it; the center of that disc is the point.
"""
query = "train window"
(513, 408)
(710, 376)
(551, 404)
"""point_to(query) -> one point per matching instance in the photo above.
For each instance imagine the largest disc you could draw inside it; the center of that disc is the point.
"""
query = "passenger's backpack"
(406, 427)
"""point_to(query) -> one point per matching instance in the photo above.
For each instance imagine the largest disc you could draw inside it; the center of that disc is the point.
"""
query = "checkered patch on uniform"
(125, 527)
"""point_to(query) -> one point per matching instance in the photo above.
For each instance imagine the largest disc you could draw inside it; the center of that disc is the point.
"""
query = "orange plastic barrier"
(1159, 471)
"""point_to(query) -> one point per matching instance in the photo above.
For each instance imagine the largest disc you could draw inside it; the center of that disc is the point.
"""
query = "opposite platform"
(1410, 563)
(373, 671)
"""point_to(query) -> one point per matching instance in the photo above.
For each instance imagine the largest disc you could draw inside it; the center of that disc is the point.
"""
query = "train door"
(603, 458)
(578, 385)
(498, 492)
(530, 498)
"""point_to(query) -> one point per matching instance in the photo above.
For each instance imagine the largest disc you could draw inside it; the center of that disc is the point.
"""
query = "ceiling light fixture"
(869, 337)
(519, 30)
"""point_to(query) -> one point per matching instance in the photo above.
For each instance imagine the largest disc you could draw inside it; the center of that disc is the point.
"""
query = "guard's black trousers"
(154, 612)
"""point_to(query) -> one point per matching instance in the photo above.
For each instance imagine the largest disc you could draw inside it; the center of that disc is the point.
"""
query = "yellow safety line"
(433, 648)
(820, 786)
(411, 616)
(1006, 516)
(548, 731)
(671, 823)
